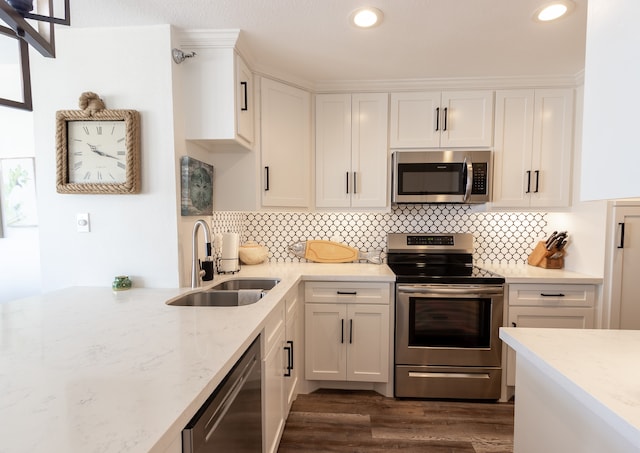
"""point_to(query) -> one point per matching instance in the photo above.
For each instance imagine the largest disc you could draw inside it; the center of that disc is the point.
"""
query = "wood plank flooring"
(362, 421)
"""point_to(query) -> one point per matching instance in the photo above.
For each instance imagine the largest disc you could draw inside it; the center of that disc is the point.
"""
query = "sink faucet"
(200, 271)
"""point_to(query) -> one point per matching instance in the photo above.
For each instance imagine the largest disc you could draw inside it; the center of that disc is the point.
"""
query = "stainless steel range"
(448, 313)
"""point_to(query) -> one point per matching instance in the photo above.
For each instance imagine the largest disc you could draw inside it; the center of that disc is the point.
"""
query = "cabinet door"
(624, 268)
(325, 341)
(244, 100)
(545, 317)
(274, 394)
(552, 145)
(467, 119)
(333, 150)
(368, 343)
(369, 119)
(292, 338)
(414, 120)
(513, 145)
(286, 145)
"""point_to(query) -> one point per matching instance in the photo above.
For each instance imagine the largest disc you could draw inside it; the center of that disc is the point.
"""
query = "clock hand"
(100, 153)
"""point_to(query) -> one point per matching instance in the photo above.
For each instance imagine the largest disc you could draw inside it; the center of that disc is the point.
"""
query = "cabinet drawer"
(552, 295)
(347, 292)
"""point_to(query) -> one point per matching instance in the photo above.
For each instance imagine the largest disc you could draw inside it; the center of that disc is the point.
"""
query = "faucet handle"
(206, 271)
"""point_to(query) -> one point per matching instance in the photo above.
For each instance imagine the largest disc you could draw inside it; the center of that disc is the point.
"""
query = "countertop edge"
(607, 414)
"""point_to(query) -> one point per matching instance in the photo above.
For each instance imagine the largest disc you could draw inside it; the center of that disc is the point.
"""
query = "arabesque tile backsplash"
(499, 236)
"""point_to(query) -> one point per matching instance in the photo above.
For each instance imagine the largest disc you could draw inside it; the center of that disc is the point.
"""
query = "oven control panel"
(430, 240)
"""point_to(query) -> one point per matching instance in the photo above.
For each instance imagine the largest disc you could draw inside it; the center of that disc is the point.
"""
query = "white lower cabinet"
(568, 306)
(347, 331)
(279, 369)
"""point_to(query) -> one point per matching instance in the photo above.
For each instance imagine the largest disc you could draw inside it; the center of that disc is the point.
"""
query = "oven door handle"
(451, 290)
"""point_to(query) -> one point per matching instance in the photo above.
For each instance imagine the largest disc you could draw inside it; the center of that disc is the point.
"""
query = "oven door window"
(431, 179)
(450, 323)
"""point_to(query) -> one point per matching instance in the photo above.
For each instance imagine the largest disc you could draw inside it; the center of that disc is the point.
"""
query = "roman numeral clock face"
(97, 152)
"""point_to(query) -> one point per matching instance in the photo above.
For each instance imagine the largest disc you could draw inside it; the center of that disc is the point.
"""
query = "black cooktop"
(436, 258)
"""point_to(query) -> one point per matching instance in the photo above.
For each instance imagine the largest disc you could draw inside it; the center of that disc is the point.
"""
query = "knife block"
(541, 257)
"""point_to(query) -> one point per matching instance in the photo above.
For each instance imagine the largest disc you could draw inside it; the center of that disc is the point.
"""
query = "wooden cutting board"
(329, 252)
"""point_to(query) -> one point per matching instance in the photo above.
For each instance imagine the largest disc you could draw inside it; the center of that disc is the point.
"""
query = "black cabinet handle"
(289, 350)
(528, 181)
(537, 172)
(245, 107)
(347, 293)
(266, 178)
(350, 331)
(355, 184)
(347, 182)
(342, 331)
(437, 118)
(289, 367)
(552, 295)
(445, 119)
(621, 243)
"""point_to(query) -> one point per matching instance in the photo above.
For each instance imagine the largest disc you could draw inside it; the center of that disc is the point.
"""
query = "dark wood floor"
(354, 422)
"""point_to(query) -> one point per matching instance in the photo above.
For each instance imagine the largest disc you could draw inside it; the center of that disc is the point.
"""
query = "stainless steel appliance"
(448, 313)
(231, 418)
(441, 176)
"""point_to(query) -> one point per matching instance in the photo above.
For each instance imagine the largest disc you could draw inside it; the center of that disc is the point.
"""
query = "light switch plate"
(82, 222)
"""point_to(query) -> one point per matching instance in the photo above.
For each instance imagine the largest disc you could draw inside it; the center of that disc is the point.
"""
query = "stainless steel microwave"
(441, 176)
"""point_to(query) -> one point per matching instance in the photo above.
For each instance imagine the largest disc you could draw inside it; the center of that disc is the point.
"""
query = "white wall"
(612, 93)
(19, 247)
(136, 235)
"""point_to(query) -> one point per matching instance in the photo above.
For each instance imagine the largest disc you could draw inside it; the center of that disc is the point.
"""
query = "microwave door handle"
(469, 167)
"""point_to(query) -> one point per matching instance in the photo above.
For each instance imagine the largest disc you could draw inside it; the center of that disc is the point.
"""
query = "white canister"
(229, 252)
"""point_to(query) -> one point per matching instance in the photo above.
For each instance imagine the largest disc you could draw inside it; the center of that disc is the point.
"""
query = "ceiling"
(312, 40)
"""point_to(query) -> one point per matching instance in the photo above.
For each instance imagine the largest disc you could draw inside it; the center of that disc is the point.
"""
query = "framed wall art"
(18, 193)
(196, 187)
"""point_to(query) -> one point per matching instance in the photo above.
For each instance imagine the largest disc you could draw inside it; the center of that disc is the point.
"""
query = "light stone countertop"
(524, 273)
(86, 369)
(599, 368)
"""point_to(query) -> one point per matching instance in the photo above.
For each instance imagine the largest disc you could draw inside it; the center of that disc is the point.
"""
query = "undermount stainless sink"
(235, 284)
(213, 298)
(231, 293)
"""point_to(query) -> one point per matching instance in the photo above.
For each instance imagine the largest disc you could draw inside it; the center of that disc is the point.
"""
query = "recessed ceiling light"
(366, 17)
(553, 11)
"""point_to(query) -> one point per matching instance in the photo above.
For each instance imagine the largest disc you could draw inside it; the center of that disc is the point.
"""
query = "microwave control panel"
(479, 186)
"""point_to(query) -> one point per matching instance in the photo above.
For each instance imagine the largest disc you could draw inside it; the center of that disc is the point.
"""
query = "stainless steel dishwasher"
(231, 418)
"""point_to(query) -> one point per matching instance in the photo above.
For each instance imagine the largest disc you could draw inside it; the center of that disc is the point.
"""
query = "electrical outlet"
(82, 222)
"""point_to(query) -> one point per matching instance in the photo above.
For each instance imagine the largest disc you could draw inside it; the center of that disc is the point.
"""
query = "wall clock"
(98, 151)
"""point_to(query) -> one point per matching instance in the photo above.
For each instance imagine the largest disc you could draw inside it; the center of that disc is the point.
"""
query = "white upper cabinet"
(447, 119)
(351, 150)
(244, 106)
(533, 148)
(285, 145)
(218, 93)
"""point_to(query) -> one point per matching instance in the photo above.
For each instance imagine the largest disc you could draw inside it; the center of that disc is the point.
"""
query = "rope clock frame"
(93, 109)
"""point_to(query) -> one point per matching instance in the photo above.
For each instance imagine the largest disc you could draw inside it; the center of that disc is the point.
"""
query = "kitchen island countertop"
(580, 389)
(86, 369)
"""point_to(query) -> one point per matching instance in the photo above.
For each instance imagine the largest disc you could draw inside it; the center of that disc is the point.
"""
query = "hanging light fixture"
(33, 25)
